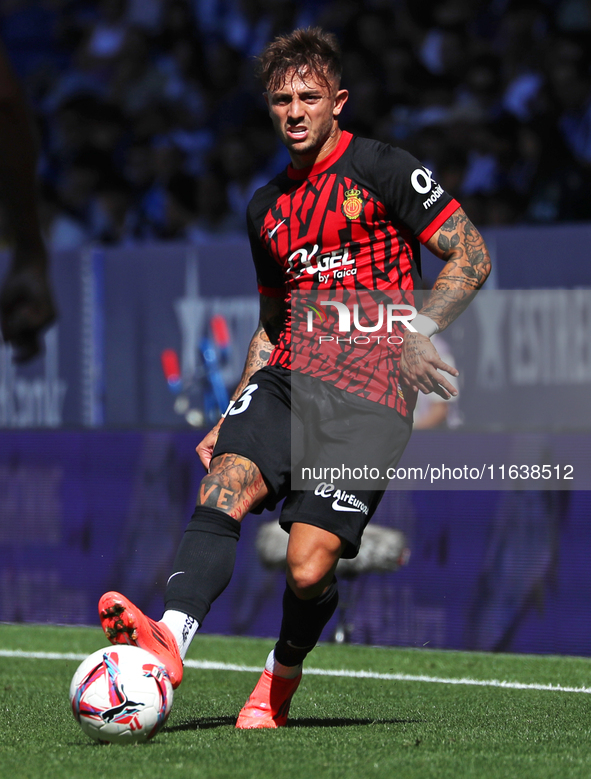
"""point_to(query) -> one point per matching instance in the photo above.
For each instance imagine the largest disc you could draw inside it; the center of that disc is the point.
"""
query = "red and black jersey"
(345, 232)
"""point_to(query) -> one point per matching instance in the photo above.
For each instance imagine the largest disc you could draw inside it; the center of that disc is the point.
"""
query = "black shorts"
(316, 446)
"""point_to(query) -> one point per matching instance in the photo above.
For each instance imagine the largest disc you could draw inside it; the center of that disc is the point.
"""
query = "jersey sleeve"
(270, 278)
(411, 194)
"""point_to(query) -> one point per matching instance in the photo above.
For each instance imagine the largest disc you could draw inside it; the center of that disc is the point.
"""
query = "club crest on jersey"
(352, 204)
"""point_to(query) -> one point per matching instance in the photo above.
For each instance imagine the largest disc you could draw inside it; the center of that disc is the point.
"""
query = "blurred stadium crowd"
(152, 125)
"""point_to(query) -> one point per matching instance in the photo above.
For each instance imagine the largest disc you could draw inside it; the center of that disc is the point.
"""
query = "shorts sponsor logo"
(342, 500)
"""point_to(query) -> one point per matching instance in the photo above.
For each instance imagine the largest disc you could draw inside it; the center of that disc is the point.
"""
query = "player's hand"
(420, 367)
(26, 309)
(206, 447)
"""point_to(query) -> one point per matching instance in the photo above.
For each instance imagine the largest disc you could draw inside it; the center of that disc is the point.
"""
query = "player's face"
(305, 116)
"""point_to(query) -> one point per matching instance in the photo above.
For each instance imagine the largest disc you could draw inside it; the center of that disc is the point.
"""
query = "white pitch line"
(208, 665)
(42, 655)
(205, 664)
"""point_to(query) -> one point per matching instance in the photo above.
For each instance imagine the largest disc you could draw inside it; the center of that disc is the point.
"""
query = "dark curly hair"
(308, 51)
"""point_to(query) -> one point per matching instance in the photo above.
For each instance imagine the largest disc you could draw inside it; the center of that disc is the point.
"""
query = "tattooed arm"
(272, 319)
(467, 265)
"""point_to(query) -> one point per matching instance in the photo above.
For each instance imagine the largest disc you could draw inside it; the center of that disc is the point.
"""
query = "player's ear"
(341, 98)
(266, 96)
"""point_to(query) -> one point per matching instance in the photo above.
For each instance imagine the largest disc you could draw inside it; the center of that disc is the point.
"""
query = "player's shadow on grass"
(201, 723)
(343, 722)
(206, 723)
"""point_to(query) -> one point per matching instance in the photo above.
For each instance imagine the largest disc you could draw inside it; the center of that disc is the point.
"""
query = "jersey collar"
(320, 167)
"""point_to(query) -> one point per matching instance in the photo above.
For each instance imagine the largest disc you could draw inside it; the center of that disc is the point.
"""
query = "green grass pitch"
(342, 727)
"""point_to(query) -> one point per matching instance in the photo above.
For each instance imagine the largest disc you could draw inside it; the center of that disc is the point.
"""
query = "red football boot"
(124, 623)
(268, 705)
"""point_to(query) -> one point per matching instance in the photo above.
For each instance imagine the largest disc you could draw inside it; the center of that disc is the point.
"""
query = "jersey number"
(243, 401)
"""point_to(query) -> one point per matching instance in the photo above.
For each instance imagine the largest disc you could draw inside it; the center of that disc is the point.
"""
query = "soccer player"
(345, 217)
(26, 302)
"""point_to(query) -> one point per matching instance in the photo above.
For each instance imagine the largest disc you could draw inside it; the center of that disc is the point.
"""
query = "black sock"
(204, 562)
(303, 622)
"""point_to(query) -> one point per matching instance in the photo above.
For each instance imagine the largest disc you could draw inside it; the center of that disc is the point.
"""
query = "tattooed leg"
(204, 563)
(234, 485)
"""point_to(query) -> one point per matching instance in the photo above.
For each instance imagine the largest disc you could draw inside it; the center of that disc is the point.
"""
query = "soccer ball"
(121, 694)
